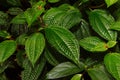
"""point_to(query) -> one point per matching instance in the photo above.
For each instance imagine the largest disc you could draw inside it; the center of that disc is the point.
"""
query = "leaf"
(77, 77)
(53, 1)
(93, 44)
(98, 72)
(15, 11)
(34, 47)
(62, 17)
(19, 19)
(112, 63)
(21, 39)
(83, 31)
(14, 2)
(62, 70)
(111, 44)
(116, 26)
(64, 42)
(50, 58)
(3, 18)
(101, 23)
(110, 2)
(7, 48)
(32, 73)
(4, 34)
(33, 13)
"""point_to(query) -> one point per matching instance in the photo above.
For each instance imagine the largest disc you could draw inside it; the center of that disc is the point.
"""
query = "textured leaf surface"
(15, 11)
(62, 17)
(62, 70)
(33, 13)
(98, 73)
(110, 2)
(64, 42)
(77, 77)
(93, 44)
(112, 63)
(32, 73)
(7, 48)
(50, 58)
(101, 23)
(34, 46)
(21, 39)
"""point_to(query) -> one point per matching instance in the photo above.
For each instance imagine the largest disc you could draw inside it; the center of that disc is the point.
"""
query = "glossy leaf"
(111, 44)
(116, 26)
(19, 19)
(53, 1)
(93, 44)
(33, 13)
(50, 58)
(34, 47)
(32, 73)
(110, 2)
(101, 23)
(112, 63)
(64, 42)
(77, 77)
(62, 70)
(62, 17)
(98, 72)
(7, 48)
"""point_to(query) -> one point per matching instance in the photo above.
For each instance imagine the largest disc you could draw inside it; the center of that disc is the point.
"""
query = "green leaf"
(77, 77)
(53, 1)
(112, 63)
(15, 11)
(111, 44)
(50, 58)
(3, 18)
(4, 34)
(19, 19)
(98, 72)
(7, 48)
(101, 23)
(67, 17)
(110, 2)
(64, 42)
(93, 44)
(21, 39)
(62, 70)
(14, 2)
(33, 13)
(116, 26)
(34, 47)
(32, 73)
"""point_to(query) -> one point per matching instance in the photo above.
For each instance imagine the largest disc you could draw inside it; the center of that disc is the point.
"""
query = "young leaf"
(62, 70)
(93, 44)
(110, 2)
(111, 44)
(4, 34)
(33, 13)
(98, 73)
(50, 58)
(34, 47)
(53, 1)
(116, 26)
(101, 23)
(112, 63)
(77, 77)
(7, 48)
(64, 42)
(62, 17)
(32, 73)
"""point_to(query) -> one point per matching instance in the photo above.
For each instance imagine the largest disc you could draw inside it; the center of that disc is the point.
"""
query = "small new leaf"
(110, 2)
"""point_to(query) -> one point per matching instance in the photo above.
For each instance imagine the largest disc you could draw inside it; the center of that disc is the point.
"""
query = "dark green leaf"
(14, 2)
(62, 70)
(112, 63)
(50, 58)
(4, 34)
(3, 18)
(34, 46)
(98, 73)
(93, 44)
(101, 23)
(21, 39)
(15, 11)
(64, 42)
(53, 1)
(7, 48)
(67, 17)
